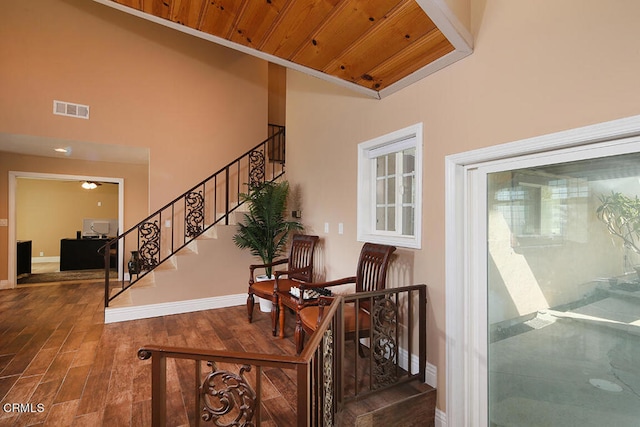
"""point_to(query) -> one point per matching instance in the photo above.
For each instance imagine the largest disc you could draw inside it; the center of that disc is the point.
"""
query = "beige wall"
(49, 210)
(194, 105)
(538, 67)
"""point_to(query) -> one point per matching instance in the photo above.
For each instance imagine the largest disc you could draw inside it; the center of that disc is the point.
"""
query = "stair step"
(148, 281)
(123, 300)
(211, 233)
(169, 264)
(407, 405)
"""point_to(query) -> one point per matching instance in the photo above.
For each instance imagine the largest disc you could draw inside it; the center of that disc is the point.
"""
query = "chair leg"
(299, 337)
(274, 317)
(250, 304)
(281, 316)
(360, 349)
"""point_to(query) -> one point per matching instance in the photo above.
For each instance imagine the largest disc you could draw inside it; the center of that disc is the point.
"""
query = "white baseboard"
(431, 375)
(431, 371)
(441, 418)
(123, 314)
(38, 259)
(4, 284)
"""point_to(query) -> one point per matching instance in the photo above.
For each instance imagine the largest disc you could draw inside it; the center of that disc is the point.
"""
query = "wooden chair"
(299, 269)
(371, 275)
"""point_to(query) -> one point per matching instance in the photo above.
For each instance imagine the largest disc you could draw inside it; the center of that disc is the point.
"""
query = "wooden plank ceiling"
(372, 43)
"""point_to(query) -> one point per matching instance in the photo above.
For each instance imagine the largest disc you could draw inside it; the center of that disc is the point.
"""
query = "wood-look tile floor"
(57, 354)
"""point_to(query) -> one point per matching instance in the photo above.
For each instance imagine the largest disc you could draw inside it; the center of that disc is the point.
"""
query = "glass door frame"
(466, 248)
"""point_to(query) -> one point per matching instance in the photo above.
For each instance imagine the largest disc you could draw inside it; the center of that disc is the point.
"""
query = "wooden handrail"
(321, 386)
(303, 364)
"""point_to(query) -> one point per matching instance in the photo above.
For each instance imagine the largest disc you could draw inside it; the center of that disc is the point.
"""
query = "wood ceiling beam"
(295, 24)
(399, 29)
(408, 60)
(346, 23)
(187, 12)
(376, 46)
(254, 21)
(218, 17)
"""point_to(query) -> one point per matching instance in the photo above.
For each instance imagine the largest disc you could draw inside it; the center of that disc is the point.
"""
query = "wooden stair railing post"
(158, 390)
(198, 377)
(304, 398)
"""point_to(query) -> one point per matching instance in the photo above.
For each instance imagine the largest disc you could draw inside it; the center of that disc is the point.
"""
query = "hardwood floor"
(57, 354)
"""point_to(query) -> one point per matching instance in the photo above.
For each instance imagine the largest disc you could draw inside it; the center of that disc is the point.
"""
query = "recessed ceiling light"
(60, 150)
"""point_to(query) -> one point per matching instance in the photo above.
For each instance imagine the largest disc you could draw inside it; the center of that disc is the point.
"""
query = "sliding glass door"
(563, 294)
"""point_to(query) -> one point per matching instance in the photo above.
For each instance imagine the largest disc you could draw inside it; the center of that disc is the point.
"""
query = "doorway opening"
(47, 221)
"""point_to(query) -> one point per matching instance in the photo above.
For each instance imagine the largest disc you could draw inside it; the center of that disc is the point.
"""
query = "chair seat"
(309, 318)
(264, 289)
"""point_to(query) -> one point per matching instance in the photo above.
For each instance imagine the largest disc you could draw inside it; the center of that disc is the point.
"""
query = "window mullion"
(399, 191)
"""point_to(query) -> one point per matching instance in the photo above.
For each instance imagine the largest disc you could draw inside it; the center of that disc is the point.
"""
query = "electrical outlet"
(340, 228)
(326, 227)
(4, 222)
(41, 253)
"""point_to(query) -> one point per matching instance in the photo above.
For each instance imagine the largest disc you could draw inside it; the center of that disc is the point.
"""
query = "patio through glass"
(564, 295)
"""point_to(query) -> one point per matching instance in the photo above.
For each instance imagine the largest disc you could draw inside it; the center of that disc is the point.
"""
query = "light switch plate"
(4, 222)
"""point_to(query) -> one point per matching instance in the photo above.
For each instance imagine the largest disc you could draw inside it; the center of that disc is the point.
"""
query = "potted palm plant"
(265, 228)
(621, 214)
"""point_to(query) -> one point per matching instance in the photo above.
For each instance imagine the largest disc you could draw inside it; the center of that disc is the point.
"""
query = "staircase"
(180, 243)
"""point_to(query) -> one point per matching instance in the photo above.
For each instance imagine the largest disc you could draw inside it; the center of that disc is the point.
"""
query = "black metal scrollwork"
(385, 347)
(227, 398)
(150, 248)
(256, 168)
(194, 218)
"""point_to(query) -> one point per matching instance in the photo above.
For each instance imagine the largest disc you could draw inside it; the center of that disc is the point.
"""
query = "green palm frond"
(265, 227)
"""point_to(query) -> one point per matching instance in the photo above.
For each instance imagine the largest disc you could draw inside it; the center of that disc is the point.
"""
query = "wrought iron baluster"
(194, 214)
(150, 247)
(256, 168)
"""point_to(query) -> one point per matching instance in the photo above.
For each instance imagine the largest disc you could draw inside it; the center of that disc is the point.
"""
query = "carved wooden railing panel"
(156, 238)
(228, 398)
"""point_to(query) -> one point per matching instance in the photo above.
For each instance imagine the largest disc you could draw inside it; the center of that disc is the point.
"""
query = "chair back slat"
(372, 267)
(301, 256)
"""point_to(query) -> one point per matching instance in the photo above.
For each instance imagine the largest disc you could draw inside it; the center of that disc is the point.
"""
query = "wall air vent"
(68, 109)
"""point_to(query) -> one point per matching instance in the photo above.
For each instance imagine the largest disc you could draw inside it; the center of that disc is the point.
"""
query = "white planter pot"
(265, 304)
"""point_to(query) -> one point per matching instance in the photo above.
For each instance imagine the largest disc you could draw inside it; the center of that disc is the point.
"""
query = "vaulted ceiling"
(376, 47)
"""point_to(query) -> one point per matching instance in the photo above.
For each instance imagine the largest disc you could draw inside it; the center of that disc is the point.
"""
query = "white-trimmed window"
(390, 188)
